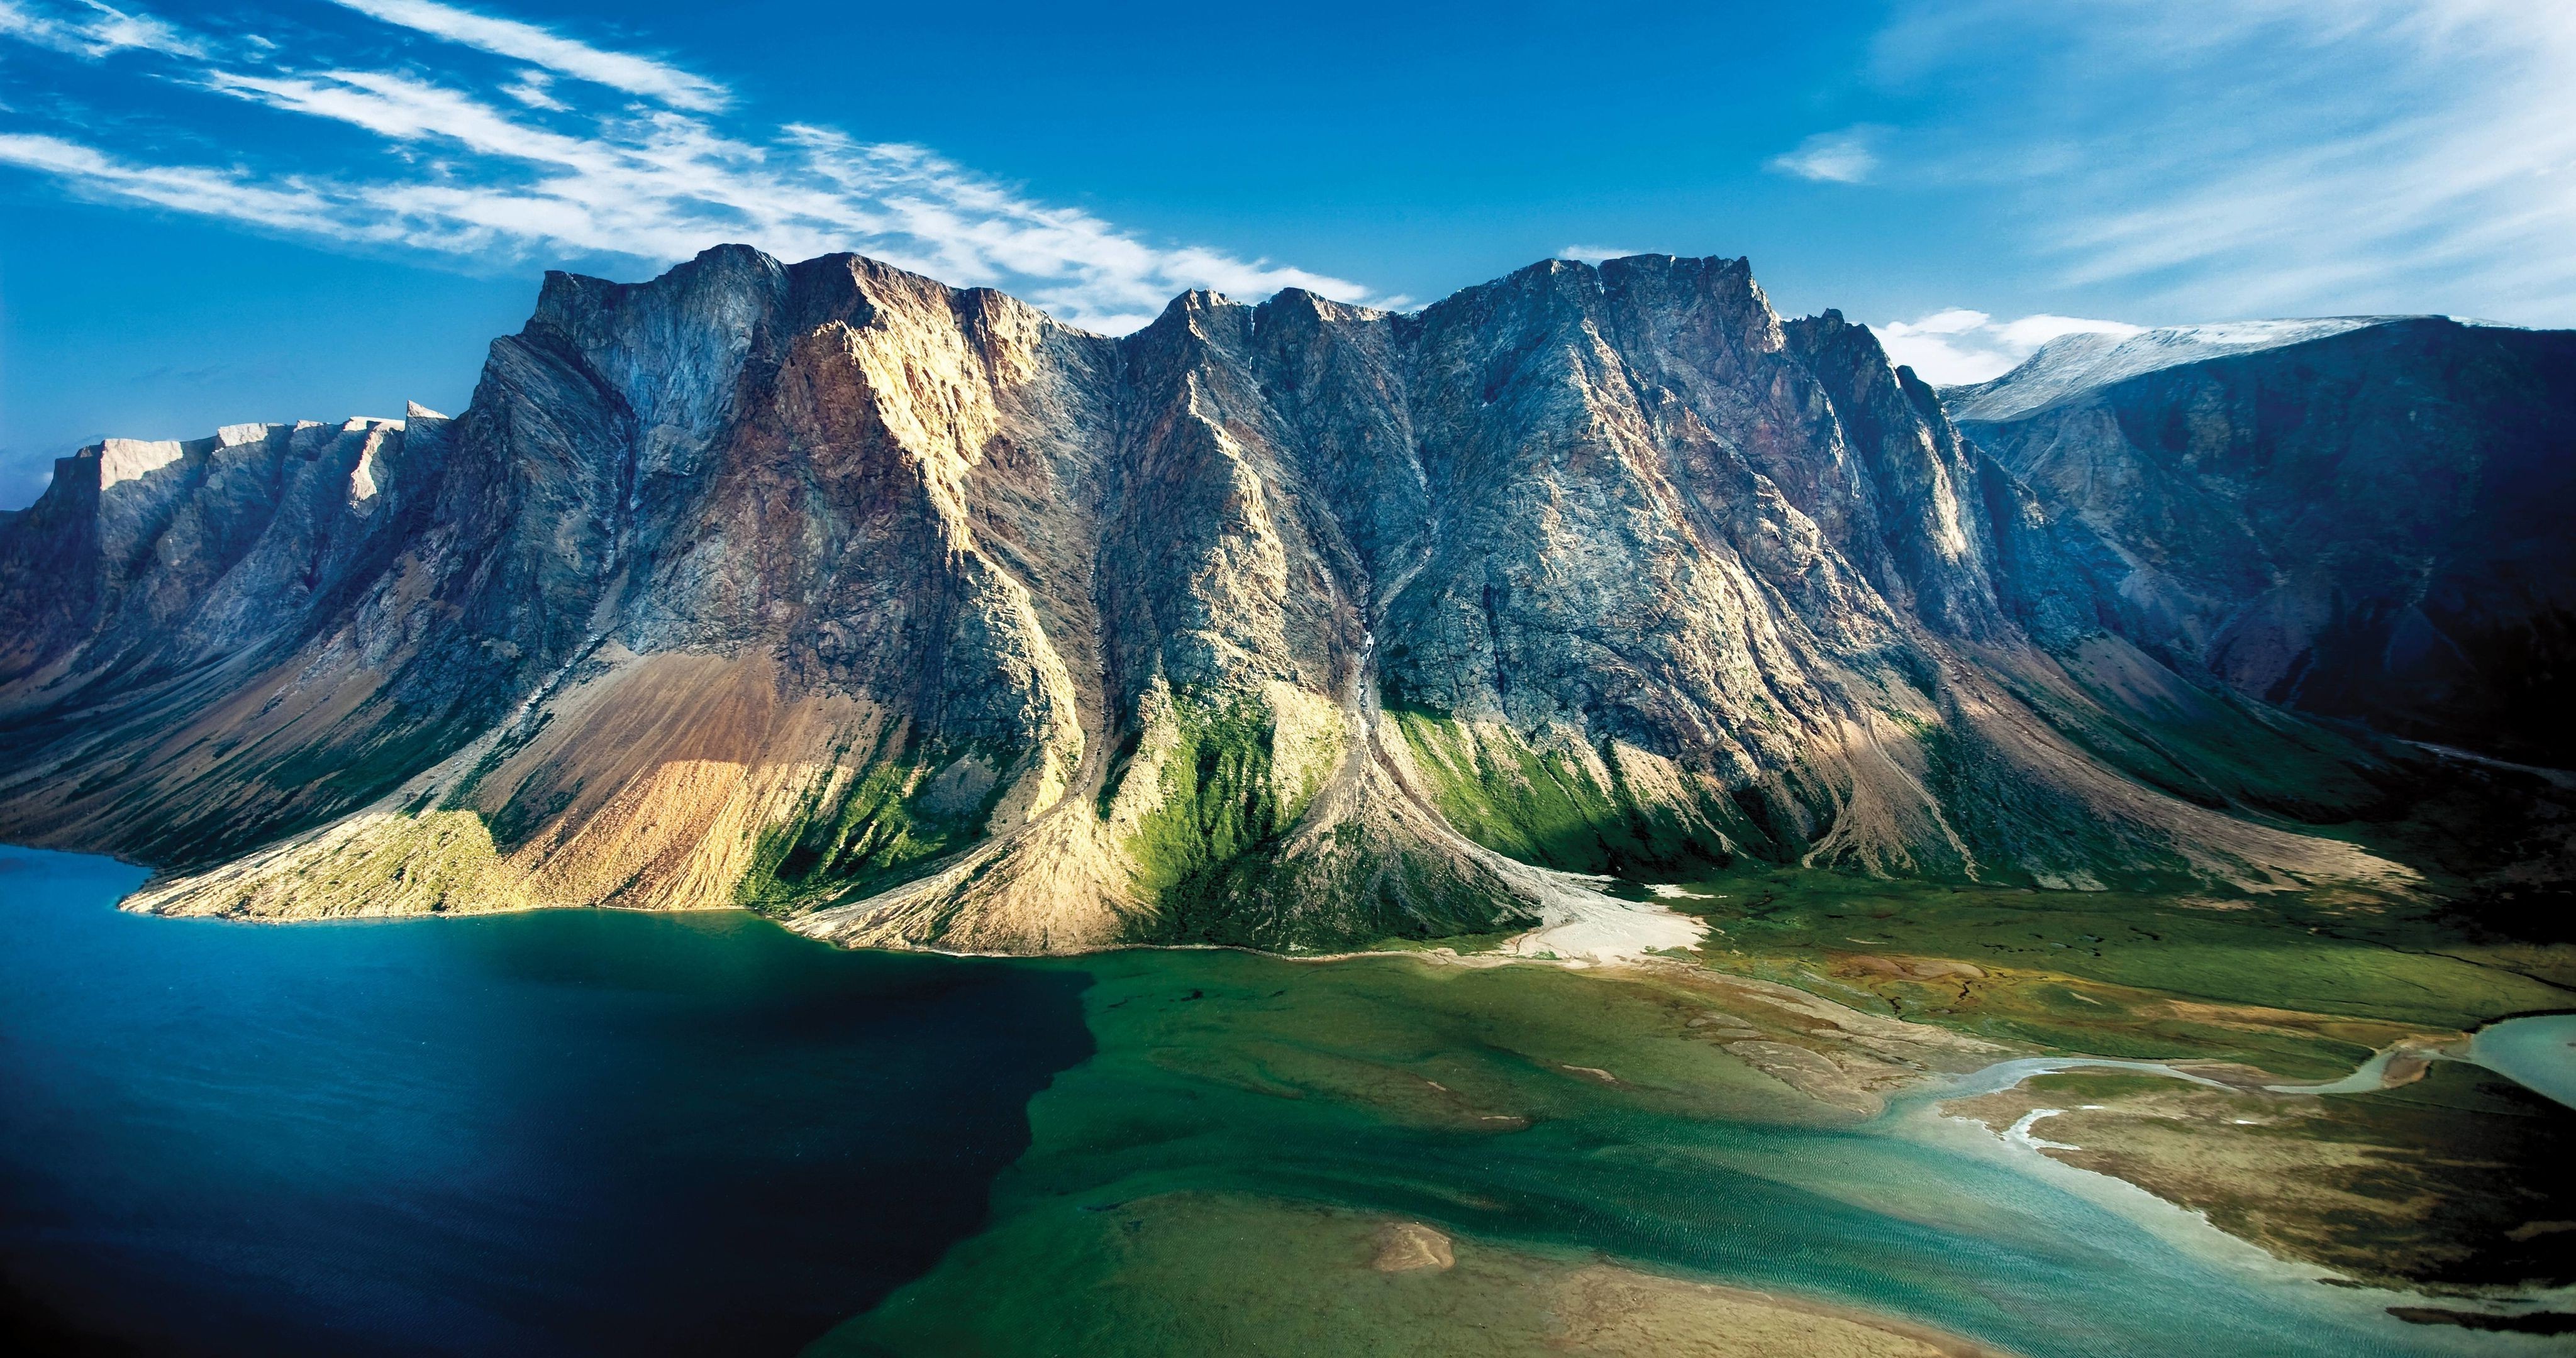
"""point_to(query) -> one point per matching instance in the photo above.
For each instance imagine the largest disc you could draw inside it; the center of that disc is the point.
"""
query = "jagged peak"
(564, 298)
(1310, 302)
(1200, 312)
(1196, 301)
(1719, 274)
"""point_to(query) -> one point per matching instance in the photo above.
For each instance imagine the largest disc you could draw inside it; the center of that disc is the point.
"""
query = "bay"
(556, 1132)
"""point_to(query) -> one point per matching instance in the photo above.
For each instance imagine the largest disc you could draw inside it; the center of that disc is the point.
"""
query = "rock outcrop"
(2365, 518)
(916, 617)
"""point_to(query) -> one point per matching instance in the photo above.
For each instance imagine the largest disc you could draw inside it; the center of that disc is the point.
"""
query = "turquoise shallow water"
(2539, 1051)
(1927, 1218)
(567, 1132)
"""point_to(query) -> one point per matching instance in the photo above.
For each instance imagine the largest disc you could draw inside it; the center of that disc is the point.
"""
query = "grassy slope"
(864, 833)
(1545, 808)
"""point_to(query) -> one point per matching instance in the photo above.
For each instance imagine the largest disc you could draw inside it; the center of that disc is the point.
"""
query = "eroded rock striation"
(916, 617)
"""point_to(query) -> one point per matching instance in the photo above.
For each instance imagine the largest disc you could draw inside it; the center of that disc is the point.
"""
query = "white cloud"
(1841, 157)
(91, 30)
(1957, 345)
(530, 89)
(2252, 157)
(529, 165)
(187, 188)
(543, 47)
(1957, 320)
(1594, 254)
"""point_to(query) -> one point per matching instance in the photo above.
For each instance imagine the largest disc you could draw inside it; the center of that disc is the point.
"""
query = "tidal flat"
(596, 1131)
(1214, 1178)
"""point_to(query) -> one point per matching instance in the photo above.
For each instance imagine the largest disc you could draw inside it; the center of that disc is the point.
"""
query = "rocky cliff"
(2366, 518)
(913, 616)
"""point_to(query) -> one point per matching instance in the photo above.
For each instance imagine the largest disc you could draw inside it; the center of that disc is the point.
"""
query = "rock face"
(913, 616)
(2366, 518)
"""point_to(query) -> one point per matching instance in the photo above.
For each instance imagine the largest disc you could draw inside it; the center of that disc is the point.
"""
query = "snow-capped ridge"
(2083, 361)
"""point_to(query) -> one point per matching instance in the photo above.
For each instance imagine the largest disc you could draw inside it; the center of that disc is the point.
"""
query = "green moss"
(1545, 808)
(1359, 889)
(1208, 855)
(1218, 803)
(856, 836)
(2013, 824)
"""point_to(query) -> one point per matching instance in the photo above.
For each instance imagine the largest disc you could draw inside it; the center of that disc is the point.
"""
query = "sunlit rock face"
(913, 616)
(2366, 517)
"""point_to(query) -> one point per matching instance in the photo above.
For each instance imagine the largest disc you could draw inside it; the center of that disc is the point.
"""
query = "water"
(589, 1132)
(2004, 1075)
(1147, 1218)
(2538, 1053)
(565, 1132)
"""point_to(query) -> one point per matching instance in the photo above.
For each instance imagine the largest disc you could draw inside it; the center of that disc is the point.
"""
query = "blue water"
(565, 1132)
(2539, 1052)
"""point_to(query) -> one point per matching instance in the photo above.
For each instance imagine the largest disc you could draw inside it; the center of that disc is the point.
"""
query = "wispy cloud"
(531, 89)
(1594, 254)
(91, 30)
(2236, 157)
(565, 161)
(542, 47)
(187, 188)
(1957, 345)
(1841, 157)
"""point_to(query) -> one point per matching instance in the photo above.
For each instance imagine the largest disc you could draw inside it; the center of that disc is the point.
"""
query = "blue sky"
(212, 213)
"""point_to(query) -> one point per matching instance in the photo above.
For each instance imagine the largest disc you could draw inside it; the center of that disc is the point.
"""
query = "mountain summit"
(913, 616)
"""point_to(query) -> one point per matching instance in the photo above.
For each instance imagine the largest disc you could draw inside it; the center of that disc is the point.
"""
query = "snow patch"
(2078, 363)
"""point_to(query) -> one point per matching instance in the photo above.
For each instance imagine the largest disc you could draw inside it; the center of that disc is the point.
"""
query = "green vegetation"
(2007, 818)
(1218, 803)
(2301, 985)
(2212, 746)
(2095, 1086)
(1208, 852)
(861, 833)
(1547, 808)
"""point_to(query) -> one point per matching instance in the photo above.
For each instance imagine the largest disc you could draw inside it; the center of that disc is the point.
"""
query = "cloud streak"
(1958, 345)
(541, 47)
(597, 153)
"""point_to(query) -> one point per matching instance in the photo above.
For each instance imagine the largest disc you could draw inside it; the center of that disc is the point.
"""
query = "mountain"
(2365, 518)
(913, 616)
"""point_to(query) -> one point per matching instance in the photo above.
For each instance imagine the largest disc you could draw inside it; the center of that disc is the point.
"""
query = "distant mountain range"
(912, 616)
(2371, 518)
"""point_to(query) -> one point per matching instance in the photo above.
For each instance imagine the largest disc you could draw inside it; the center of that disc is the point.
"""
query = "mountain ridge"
(2361, 519)
(915, 617)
